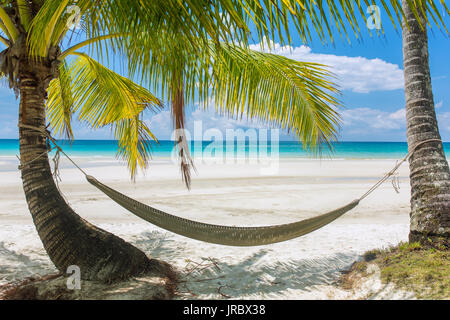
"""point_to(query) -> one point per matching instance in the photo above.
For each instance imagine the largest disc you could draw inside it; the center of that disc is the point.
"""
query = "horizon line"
(268, 140)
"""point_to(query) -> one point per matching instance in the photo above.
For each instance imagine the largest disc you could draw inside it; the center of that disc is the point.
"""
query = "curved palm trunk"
(429, 170)
(67, 238)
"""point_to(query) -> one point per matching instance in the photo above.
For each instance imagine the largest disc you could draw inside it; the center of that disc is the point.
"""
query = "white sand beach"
(303, 268)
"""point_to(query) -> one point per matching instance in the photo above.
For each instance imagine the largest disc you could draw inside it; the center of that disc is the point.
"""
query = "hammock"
(225, 235)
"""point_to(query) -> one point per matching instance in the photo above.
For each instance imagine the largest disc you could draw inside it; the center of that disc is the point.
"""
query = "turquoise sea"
(286, 149)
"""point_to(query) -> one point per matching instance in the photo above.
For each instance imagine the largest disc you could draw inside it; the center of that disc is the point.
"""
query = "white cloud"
(367, 119)
(398, 115)
(367, 124)
(444, 125)
(357, 74)
(439, 104)
(161, 124)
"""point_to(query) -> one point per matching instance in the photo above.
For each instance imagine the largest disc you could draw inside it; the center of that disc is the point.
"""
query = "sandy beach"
(303, 268)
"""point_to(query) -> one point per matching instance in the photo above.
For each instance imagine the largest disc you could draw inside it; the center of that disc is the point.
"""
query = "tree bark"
(67, 238)
(429, 170)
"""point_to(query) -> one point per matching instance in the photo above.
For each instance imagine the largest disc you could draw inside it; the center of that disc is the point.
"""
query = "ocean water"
(285, 149)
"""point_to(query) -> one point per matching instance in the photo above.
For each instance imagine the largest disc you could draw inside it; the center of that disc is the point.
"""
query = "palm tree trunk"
(429, 170)
(67, 238)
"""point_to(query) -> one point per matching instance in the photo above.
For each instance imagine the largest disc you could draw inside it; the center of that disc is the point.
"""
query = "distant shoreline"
(207, 149)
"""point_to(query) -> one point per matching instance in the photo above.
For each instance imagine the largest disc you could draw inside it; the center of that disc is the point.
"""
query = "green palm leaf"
(293, 95)
(60, 103)
(134, 137)
(101, 97)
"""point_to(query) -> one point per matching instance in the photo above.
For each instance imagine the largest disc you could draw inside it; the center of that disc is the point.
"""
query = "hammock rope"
(218, 234)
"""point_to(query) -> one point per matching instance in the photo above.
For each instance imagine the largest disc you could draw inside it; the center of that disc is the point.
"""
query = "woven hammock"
(224, 235)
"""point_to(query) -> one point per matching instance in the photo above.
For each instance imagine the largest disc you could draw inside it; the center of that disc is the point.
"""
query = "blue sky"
(370, 75)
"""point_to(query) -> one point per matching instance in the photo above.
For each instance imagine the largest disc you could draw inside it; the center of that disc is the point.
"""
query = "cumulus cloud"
(398, 115)
(365, 124)
(357, 74)
(371, 124)
(367, 118)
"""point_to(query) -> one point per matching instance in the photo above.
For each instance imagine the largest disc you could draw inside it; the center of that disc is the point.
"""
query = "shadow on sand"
(257, 273)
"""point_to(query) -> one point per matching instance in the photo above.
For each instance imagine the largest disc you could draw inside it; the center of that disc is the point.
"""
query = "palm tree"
(184, 50)
(429, 170)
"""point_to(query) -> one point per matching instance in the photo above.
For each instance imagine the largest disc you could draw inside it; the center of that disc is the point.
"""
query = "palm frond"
(102, 98)
(60, 103)
(52, 22)
(5, 41)
(7, 25)
(134, 138)
(293, 95)
(24, 9)
(43, 26)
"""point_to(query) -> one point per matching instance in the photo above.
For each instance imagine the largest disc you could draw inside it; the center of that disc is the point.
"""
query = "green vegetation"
(411, 267)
